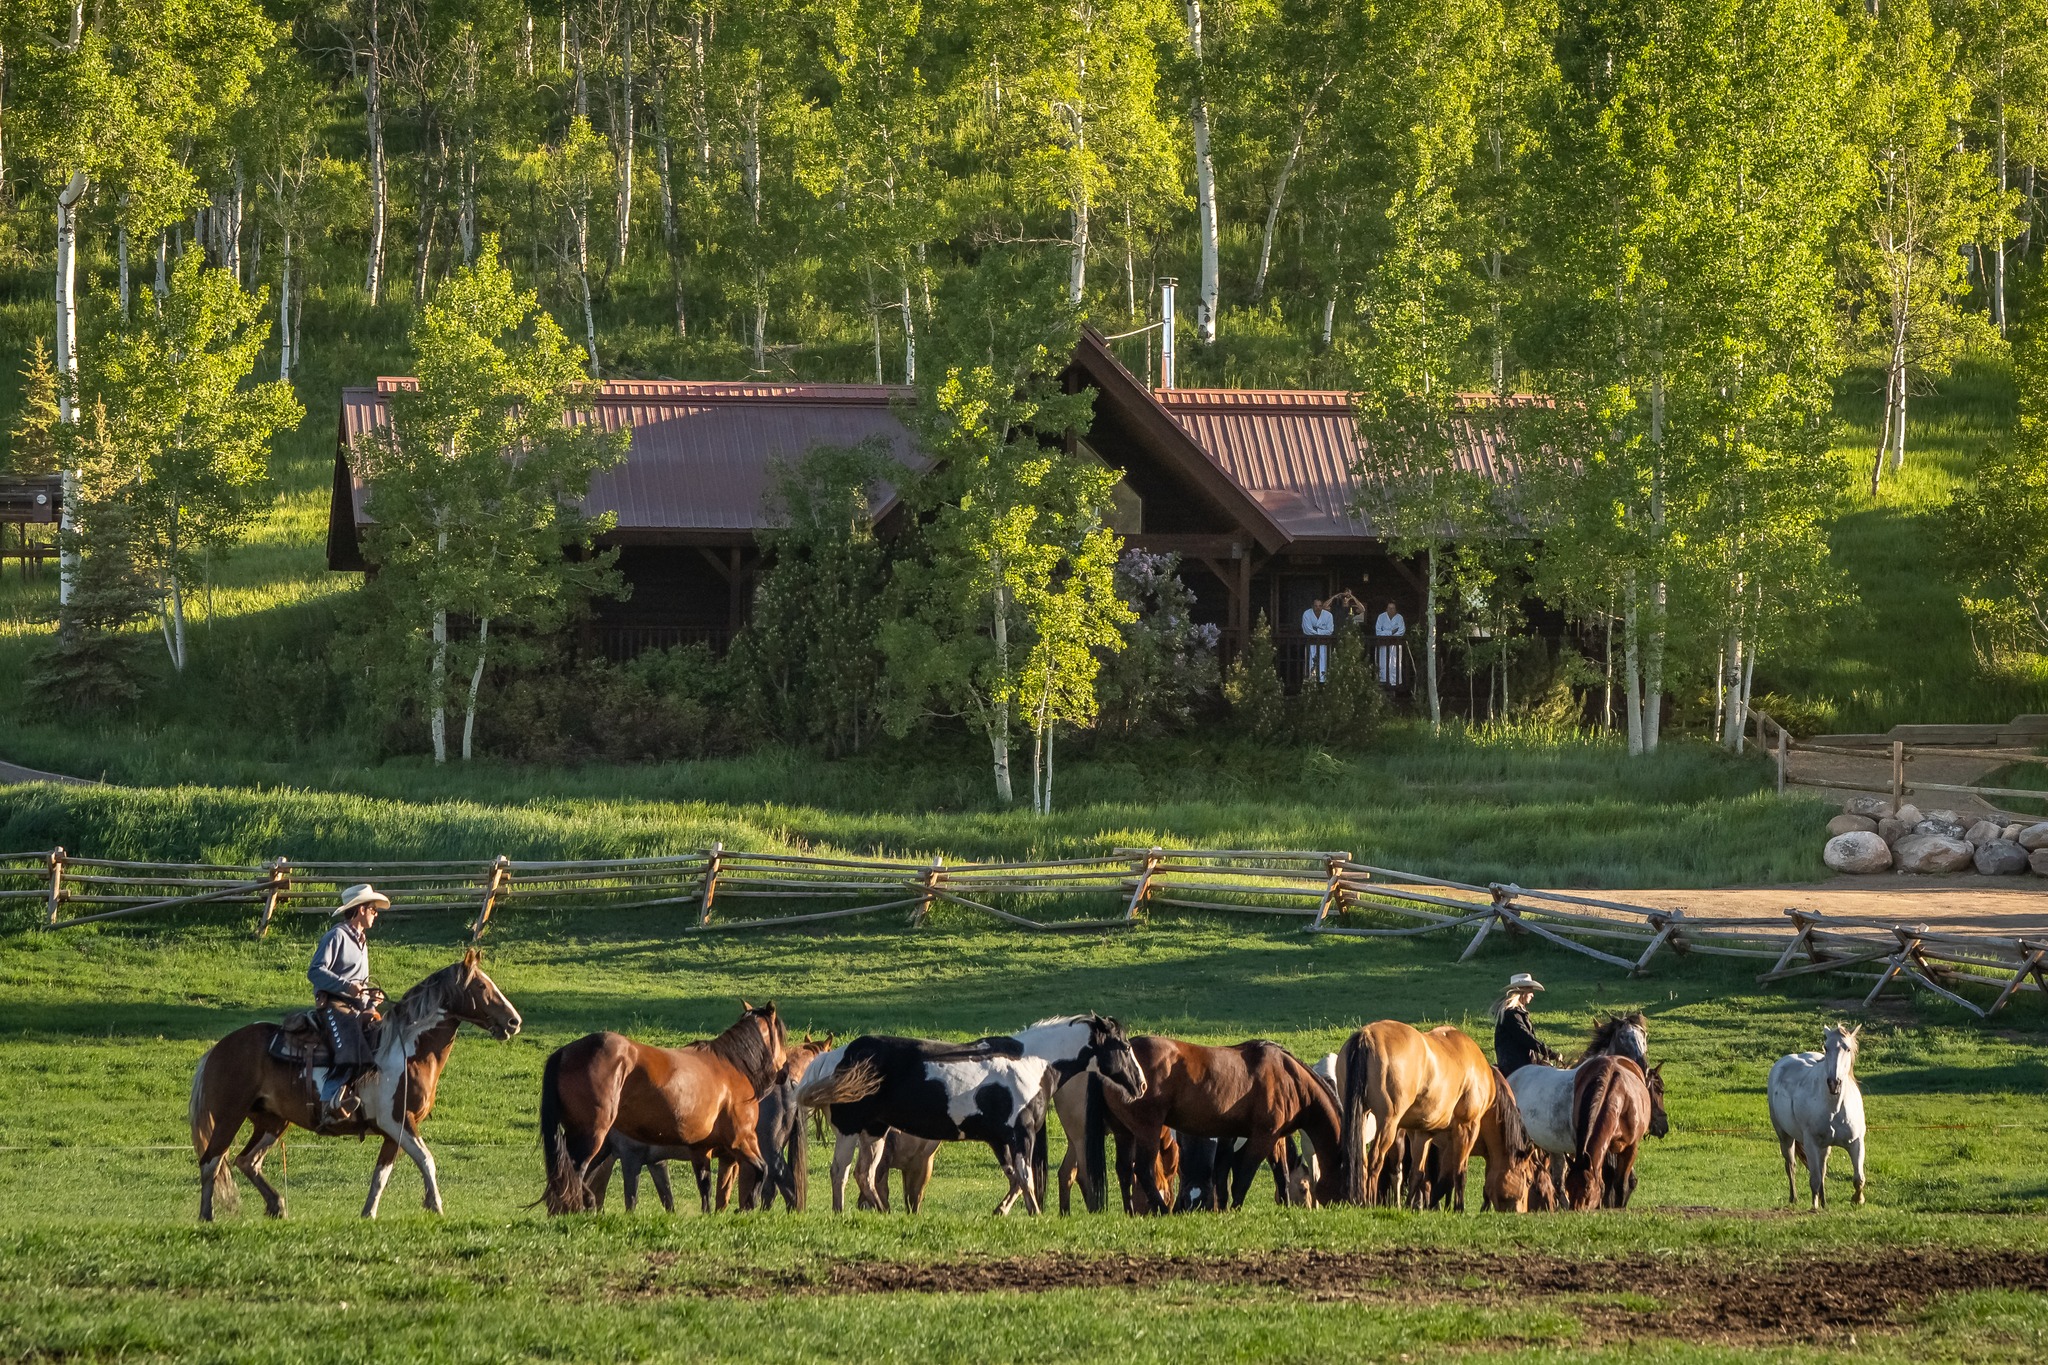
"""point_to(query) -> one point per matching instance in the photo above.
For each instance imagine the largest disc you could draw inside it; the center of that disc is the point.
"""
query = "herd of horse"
(1393, 1117)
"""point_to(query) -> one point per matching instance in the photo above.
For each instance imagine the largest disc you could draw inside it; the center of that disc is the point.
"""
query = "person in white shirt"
(1391, 629)
(1318, 625)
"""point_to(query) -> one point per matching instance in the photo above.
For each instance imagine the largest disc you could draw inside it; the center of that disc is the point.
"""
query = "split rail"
(1330, 892)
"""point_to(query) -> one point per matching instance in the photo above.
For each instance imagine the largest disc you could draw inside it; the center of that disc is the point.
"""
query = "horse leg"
(598, 1181)
(1383, 1142)
(250, 1163)
(1244, 1165)
(1623, 1185)
(657, 1171)
(842, 1160)
(1787, 1145)
(916, 1176)
(1855, 1148)
(1070, 1171)
(1817, 1154)
(700, 1171)
(216, 1174)
(409, 1143)
(1151, 1196)
(380, 1176)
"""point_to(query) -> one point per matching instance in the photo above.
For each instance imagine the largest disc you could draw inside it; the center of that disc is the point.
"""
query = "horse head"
(474, 998)
(1511, 1171)
(1653, 1079)
(1109, 1052)
(1838, 1059)
(761, 1043)
(1622, 1035)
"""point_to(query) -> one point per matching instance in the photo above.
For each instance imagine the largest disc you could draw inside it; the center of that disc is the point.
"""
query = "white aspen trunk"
(875, 330)
(1899, 432)
(999, 719)
(373, 101)
(1631, 667)
(476, 682)
(465, 215)
(576, 49)
(1884, 431)
(582, 228)
(909, 340)
(1205, 189)
(67, 363)
(526, 45)
(1329, 318)
(163, 266)
(1049, 732)
(1998, 246)
(1607, 688)
(625, 209)
(1720, 690)
(1436, 709)
(1077, 261)
(1748, 682)
(668, 198)
(174, 614)
(1653, 652)
(760, 319)
(284, 312)
(1037, 759)
(121, 253)
(437, 723)
(1273, 209)
(232, 229)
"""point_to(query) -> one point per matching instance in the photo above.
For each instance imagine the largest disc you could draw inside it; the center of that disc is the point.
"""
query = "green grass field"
(102, 1256)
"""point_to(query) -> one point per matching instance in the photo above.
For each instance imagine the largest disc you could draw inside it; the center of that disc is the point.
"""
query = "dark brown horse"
(1439, 1088)
(239, 1081)
(1256, 1091)
(703, 1096)
(1615, 1105)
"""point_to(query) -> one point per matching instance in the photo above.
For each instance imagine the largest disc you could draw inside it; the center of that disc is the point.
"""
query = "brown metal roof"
(701, 452)
(1298, 451)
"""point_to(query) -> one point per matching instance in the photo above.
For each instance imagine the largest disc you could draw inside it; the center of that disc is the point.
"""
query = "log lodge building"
(1252, 488)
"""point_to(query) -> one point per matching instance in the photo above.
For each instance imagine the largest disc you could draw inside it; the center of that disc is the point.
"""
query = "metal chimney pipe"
(1167, 349)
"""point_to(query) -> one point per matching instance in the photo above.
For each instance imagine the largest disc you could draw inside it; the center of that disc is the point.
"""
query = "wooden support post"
(928, 883)
(56, 884)
(1502, 895)
(1802, 941)
(1142, 891)
(494, 886)
(280, 882)
(1334, 899)
(710, 883)
(1893, 965)
(1781, 758)
(1898, 774)
(1667, 927)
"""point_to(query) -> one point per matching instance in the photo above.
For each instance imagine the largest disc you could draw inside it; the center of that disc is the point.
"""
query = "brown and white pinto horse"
(238, 1082)
(704, 1096)
(1257, 1091)
(1436, 1086)
(1615, 1105)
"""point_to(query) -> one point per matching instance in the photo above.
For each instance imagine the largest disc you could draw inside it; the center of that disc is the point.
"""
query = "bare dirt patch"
(1760, 1301)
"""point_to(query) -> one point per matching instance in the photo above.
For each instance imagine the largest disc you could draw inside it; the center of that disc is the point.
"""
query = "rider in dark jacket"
(1515, 1043)
(340, 973)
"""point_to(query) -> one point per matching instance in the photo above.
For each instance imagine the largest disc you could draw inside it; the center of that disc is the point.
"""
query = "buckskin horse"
(993, 1090)
(1436, 1086)
(239, 1080)
(704, 1096)
(1256, 1091)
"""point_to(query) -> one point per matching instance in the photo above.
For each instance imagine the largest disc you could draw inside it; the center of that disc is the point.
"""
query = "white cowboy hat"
(1520, 981)
(363, 894)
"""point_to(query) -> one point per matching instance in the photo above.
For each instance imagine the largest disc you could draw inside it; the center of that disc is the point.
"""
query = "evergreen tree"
(1251, 684)
(34, 448)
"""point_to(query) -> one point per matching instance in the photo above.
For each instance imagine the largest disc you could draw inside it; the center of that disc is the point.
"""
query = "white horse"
(1544, 1093)
(1816, 1105)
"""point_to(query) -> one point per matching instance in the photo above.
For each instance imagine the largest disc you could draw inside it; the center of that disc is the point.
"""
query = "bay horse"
(1547, 1094)
(1255, 1091)
(1612, 1107)
(1439, 1087)
(238, 1081)
(777, 1130)
(704, 1096)
(993, 1090)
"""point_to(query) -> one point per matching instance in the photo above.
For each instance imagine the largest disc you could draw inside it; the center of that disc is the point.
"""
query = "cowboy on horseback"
(1515, 1044)
(343, 995)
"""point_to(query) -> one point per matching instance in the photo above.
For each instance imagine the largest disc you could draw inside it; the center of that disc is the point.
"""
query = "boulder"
(1852, 824)
(2000, 858)
(2033, 837)
(2038, 860)
(1891, 829)
(1909, 813)
(2011, 832)
(1941, 829)
(1930, 853)
(1876, 807)
(1858, 850)
(1982, 833)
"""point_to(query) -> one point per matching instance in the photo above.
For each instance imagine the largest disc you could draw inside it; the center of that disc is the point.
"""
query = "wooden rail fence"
(1775, 740)
(721, 889)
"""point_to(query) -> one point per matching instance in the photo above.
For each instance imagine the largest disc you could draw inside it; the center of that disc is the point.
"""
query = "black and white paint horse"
(993, 1090)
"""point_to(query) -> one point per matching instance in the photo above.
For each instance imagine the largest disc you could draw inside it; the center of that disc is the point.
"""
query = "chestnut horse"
(1435, 1086)
(1257, 1091)
(703, 1096)
(238, 1082)
(1615, 1105)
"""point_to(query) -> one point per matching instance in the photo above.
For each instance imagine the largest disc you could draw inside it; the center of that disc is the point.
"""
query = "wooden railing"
(1900, 754)
(720, 889)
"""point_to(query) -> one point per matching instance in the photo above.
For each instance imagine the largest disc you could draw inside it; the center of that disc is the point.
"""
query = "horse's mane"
(428, 994)
(1605, 1029)
(744, 1046)
(1052, 1019)
(1513, 1132)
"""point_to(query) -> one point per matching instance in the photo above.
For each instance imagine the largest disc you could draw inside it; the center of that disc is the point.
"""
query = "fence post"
(494, 886)
(710, 882)
(1898, 774)
(929, 882)
(56, 883)
(1781, 761)
(1142, 892)
(1333, 892)
(280, 882)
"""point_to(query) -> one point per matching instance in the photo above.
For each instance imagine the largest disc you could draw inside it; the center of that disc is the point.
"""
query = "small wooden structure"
(32, 506)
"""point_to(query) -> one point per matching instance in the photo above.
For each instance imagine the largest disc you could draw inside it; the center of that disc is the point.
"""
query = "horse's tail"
(1094, 1142)
(1514, 1133)
(797, 1162)
(1586, 1175)
(845, 1085)
(1355, 1064)
(200, 1115)
(566, 1192)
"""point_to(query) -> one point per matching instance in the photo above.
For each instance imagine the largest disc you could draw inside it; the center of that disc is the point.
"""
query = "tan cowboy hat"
(363, 894)
(1520, 981)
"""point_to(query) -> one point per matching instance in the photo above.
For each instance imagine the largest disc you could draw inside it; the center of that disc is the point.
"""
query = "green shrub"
(1258, 703)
